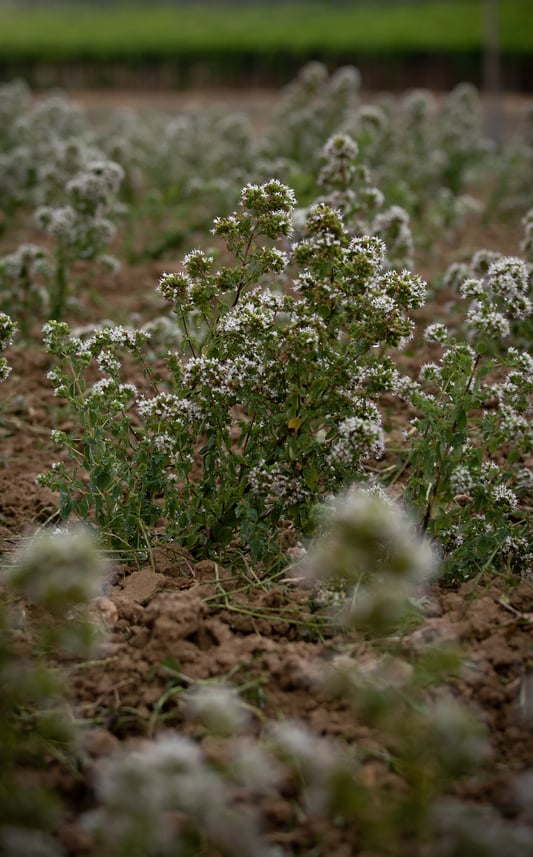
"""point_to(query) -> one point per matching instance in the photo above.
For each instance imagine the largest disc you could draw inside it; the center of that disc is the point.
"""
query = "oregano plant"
(469, 476)
(269, 399)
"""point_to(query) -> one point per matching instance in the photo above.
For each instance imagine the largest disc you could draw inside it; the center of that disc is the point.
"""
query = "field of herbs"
(266, 478)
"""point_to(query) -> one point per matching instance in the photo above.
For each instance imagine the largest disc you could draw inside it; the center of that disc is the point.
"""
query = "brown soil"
(175, 609)
(256, 103)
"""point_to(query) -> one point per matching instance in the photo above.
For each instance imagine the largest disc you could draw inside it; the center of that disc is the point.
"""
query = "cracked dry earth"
(178, 620)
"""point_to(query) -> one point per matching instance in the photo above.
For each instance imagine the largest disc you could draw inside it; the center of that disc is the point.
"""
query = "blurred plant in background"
(53, 578)
(7, 331)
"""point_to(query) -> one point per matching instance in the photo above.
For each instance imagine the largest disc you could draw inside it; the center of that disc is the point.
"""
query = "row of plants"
(414, 160)
(224, 439)
(271, 398)
(275, 380)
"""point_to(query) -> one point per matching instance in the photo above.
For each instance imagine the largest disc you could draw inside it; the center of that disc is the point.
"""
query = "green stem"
(434, 488)
(242, 281)
(188, 335)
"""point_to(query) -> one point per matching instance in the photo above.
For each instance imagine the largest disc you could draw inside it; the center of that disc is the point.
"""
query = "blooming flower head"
(59, 569)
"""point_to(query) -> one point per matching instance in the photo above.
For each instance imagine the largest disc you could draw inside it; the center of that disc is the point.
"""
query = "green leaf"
(311, 476)
(461, 419)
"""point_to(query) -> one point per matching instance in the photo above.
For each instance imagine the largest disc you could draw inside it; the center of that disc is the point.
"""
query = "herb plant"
(113, 477)
(271, 397)
(25, 277)
(57, 573)
(469, 478)
(7, 331)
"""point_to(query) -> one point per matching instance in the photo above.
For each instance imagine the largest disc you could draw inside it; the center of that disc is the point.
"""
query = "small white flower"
(504, 497)
(59, 570)
(488, 322)
(436, 332)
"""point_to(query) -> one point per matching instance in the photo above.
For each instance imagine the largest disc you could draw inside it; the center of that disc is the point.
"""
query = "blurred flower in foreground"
(371, 549)
(62, 571)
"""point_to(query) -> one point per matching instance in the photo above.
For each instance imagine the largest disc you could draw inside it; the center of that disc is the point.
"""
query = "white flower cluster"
(524, 480)
(176, 288)
(15, 98)
(348, 189)
(497, 287)
(381, 303)
(59, 381)
(107, 362)
(372, 548)
(371, 249)
(107, 393)
(505, 498)
(408, 290)
(371, 301)
(256, 316)
(431, 373)
(108, 337)
(7, 331)
(59, 222)
(487, 478)
(378, 377)
(508, 280)
(522, 364)
(141, 791)
(526, 245)
(26, 262)
(461, 123)
(339, 155)
(168, 408)
(43, 144)
(313, 108)
(57, 340)
(59, 569)
(278, 483)
(358, 437)
(437, 333)
(24, 278)
(488, 322)
(462, 480)
(95, 189)
(213, 381)
(164, 443)
(197, 263)
(302, 341)
(272, 196)
(392, 225)
(471, 288)
(82, 218)
(266, 209)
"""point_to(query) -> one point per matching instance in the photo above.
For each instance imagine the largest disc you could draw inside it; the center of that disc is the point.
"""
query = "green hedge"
(140, 32)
